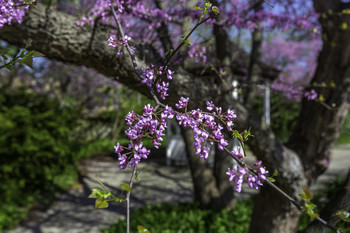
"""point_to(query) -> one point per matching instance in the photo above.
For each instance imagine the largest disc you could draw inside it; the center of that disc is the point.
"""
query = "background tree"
(154, 28)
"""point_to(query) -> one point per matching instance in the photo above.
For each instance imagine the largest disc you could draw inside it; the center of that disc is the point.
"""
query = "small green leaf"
(94, 194)
(310, 206)
(303, 196)
(207, 5)
(346, 11)
(99, 193)
(343, 215)
(125, 187)
(344, 26)
(38, 54)
(321, 98)
(30, 53)
(307, 193)
(236, 134)
(101, 203)
(275, 173)
(271, 179)
(247, 134)
(313, 216)
(27, 61)
(215, 10)
(197, 8)
(142, 229)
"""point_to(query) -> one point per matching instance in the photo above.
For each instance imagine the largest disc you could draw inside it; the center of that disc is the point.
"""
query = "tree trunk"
(273, 214)
(210, 191)
(314, 136)
(255, 55)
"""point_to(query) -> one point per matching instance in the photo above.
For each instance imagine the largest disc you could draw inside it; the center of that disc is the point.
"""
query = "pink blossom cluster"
(122, 42)
(311, 95)
(147, 125)
(101, 10)
(198, 54)
(207, 128)
(10, 10)
(296, 60)
(149, 76)
(205, 125)
(254, 181)
(299, 15)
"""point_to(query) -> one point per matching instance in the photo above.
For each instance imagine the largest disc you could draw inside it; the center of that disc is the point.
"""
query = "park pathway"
(73, 212)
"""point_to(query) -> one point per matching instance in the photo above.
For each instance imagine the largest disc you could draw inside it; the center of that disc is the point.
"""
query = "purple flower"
(232, 173)
(254, 182)
(147, 110)
(170, 74)
(122, 161)
(210, 105)
(236, 154)
(163, 89)
(118, 148)
(222, 143)
(230, 114)
(262, 172)
(311, 95)
(182, 103)
(130, 118)
(167, 112)
(204, 153)
(258, 163)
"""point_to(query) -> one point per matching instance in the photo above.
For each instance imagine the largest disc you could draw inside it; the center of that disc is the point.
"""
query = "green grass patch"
(191, 218)
(188, 218)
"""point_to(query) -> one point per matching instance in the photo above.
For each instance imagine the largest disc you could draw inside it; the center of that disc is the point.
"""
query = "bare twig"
(128, 199)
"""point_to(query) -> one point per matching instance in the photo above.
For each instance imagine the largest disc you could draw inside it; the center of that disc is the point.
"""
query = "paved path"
(73, 212)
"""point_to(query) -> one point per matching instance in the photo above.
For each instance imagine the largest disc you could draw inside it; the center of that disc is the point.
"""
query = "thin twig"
(128, 199)
(132, 56)
(185, 39)
(268, 2)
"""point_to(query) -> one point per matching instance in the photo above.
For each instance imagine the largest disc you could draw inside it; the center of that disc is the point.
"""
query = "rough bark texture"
(56, 35)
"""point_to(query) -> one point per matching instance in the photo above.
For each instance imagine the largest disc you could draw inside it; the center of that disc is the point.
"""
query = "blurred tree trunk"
(211, 188)
(255, 55)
